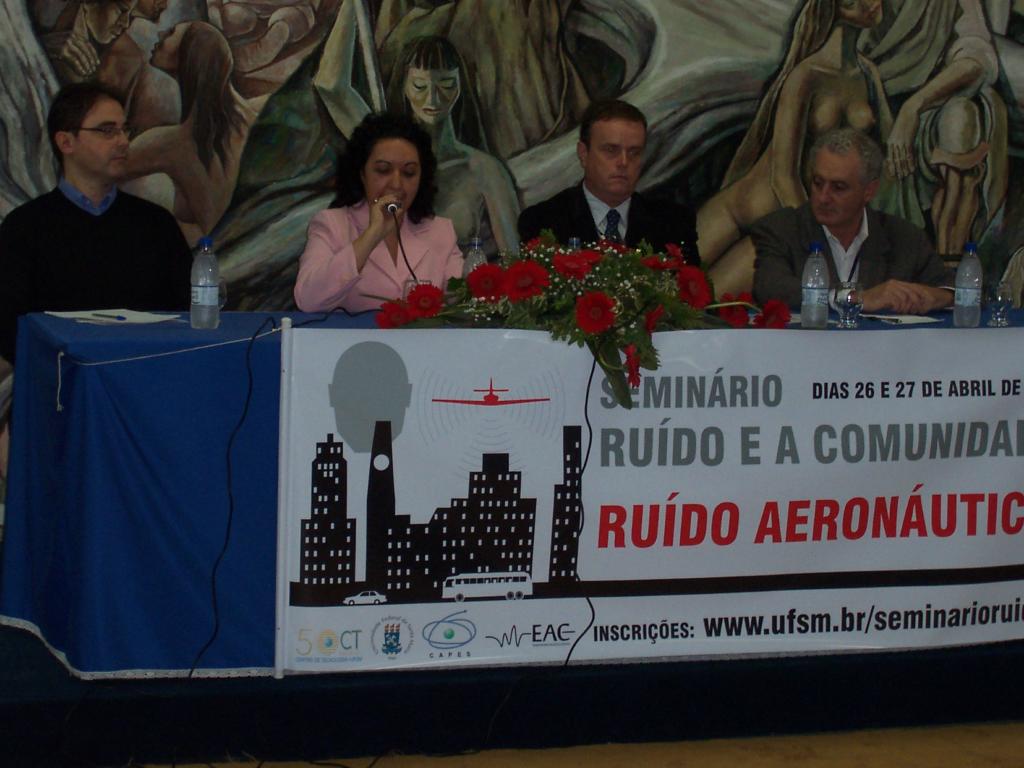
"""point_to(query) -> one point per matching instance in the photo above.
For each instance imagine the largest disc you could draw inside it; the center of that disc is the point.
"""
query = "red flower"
(529, 245)
(656, 263)
(525, 279)
(651, 318)
(632, 365)
(574, 265)
(675, 259)
(693, 287)
(609, 245)
(425, 300)
(675, 253)
(595, 312)
(735, 316)
(486, 282)
(774, 314)
(394, 314)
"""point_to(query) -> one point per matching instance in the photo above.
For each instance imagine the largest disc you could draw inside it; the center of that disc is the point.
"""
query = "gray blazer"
(894, 249)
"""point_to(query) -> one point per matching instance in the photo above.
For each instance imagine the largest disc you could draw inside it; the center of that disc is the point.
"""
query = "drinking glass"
(1000, 301)
(849, 299)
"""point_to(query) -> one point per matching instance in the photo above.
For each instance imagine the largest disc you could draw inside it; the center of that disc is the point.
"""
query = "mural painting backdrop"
(240, 107)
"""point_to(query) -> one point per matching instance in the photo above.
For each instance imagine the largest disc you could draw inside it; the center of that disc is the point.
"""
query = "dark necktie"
(611, 226)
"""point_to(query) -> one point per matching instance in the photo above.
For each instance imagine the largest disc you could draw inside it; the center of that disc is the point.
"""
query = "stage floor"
(989, 745)
(47, 717)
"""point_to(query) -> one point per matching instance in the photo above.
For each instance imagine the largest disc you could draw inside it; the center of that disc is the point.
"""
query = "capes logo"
(449, 633)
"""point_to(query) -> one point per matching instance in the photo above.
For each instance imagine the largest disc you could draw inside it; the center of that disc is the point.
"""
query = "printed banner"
(479, 498)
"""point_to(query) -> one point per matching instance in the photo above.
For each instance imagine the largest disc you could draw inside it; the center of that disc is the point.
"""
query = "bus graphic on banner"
(468, 586)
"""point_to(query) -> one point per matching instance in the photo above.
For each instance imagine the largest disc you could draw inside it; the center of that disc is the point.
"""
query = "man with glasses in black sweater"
(86, 244)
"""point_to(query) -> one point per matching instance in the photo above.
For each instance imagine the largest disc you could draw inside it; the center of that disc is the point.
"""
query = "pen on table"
(884, 319)
(107, 316)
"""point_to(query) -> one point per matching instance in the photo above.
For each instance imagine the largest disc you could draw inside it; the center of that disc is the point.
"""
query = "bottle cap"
(816, 246)
(206, 241)
(971, 246)
(476, 242)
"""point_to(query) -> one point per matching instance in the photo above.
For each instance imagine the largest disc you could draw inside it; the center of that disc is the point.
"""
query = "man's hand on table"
(906, 298)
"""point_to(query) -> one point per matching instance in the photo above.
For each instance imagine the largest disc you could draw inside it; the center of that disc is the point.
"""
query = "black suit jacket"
(567, 214)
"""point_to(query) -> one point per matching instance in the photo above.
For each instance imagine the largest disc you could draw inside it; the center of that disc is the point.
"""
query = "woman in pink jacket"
(380, 233)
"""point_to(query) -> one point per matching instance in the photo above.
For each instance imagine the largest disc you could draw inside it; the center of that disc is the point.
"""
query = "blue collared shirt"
(79, 198)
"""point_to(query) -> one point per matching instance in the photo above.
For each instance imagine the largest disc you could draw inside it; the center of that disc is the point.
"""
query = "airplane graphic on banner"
(492, 398)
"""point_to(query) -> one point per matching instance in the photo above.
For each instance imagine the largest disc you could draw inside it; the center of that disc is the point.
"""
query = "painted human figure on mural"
(823, 83)
(516, 56)
(259, 32)
(948, 144)
(87, 34)
(200, 155)
(475, 190)
(89, 40)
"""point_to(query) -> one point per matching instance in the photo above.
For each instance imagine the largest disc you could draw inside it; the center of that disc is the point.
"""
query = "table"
(120, 499)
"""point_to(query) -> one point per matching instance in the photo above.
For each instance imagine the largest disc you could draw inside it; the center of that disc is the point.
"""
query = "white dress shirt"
(845, 259)
(599, 210)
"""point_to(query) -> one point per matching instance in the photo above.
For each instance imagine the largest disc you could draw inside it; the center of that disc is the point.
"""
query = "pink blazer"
(328, 278)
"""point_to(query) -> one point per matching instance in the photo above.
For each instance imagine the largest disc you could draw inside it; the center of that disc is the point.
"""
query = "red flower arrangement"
(608, 297)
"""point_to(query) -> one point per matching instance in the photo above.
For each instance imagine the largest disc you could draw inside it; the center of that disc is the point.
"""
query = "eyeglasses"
(110, 131)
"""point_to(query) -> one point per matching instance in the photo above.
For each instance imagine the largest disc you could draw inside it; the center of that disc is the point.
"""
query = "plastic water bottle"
(205, 308)
(814, 296)
(475, 256)
(967, 302)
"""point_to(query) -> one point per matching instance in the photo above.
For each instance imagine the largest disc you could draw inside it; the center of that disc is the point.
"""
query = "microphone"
(393, 208)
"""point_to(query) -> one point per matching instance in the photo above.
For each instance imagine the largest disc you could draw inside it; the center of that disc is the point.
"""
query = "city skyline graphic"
(477, 546)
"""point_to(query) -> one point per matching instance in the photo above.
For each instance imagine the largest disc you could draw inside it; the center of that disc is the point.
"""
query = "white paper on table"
(115, 316)
(902, 319)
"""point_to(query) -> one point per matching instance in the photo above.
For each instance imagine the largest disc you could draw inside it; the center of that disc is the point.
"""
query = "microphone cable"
(579, 530)
(564, 665)
(392, 208)
(229, 472)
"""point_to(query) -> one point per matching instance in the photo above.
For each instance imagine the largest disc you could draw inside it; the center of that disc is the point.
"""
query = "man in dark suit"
(613, 136)
(891, 258)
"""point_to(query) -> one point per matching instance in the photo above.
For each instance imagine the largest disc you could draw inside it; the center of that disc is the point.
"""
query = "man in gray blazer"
(891, 258)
